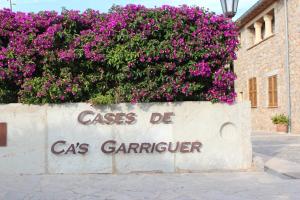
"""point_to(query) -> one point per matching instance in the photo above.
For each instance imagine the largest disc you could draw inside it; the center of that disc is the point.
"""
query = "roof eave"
(255, 10)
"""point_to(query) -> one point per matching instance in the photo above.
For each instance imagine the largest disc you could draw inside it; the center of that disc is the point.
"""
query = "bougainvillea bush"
(130, 54)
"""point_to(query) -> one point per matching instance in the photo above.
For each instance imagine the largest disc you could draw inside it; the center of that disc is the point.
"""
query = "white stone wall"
(27, 139)
(223, 130)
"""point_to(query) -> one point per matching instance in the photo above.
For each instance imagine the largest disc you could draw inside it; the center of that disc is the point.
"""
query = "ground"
(281, 153)
(280, 180)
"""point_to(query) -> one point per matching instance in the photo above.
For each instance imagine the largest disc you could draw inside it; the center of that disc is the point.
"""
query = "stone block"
(25, 150)
(145, 132)
(63, 125)
(223, 130)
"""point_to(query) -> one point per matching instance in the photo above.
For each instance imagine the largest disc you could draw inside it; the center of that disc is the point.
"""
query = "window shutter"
(253, 92)
(250, 91)
(273, 99)
(270, 91)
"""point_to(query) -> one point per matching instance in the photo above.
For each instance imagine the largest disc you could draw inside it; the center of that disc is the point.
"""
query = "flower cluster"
(131, 54)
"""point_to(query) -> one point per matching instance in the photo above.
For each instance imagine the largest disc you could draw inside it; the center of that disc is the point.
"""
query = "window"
(262, 29)
(253, 92)
(273, 99)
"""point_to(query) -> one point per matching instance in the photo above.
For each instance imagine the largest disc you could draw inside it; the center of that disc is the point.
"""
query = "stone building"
(268, 64)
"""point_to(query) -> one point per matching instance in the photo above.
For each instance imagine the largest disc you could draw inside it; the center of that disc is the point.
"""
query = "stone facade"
(266, 56)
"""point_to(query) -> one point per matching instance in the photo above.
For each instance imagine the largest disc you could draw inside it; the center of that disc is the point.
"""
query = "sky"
(104, 5)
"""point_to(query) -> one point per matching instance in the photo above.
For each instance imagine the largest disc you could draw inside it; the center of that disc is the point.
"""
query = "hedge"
(130, 54)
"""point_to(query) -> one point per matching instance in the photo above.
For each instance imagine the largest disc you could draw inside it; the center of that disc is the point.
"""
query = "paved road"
(215, 186)
(275, 145)
(281, 153)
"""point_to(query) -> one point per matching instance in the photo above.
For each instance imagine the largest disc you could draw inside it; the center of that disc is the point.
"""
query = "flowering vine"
(130, 54)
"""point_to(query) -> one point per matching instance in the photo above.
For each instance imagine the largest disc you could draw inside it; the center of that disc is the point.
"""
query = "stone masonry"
(264, 57)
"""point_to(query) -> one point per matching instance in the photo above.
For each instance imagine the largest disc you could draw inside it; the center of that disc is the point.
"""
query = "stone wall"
(223, 130)
(294, 51)
(267, 58)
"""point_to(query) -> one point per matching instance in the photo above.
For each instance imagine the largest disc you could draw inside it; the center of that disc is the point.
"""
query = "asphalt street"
(280, 153)
(277, 145)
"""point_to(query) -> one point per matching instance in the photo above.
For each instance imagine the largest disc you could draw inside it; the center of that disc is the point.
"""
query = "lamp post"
(11, 4)
(229, 7)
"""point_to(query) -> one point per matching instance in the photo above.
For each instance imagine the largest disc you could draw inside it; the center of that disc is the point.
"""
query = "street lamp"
(11, 4)
(229, 7)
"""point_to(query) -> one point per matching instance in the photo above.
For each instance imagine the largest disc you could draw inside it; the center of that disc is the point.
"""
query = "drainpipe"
(287, 65)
